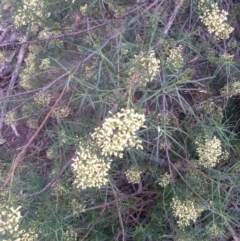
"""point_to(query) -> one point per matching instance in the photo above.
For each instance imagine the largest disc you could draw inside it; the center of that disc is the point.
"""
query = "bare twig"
(173, 16)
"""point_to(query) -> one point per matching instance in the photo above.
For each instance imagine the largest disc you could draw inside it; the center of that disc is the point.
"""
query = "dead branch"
(173, 16)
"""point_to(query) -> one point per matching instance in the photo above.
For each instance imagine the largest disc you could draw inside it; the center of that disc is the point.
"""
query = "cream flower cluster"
(212, 109)
(84, 9)
(32, 11)
(45, 64)
(32, 123)
(215, 231)
(11, 118)
(50, 153)
(215, 20)
(227, 57)
(9, 219)
(146, 69)
(61, 112)
(30, 70)
(89, 170)
(185, 212)
(49, 33)
(42, 100)
(78, 207)
(71, 235)
(164, 180)
(118, 132)
(231, 90)
(175, 59)
(62, 137)
(30, 235)
(210, 152)
(133, 175)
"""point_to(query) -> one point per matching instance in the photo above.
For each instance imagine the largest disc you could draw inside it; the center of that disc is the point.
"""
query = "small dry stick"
(173, 16)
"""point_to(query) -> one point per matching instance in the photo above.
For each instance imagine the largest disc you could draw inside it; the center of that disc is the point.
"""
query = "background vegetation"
(120, 120)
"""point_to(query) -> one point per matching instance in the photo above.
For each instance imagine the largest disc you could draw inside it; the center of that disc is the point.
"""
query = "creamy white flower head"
(45, 64)
(89, 170)
(32, 11)
(210, 152)
(9, 219)
(164, 180)
(175, 59)
(133, 175)
(215, 21)
(185, 212)
(232, 89)
(42, 100)
(146, 68)
(119, 132)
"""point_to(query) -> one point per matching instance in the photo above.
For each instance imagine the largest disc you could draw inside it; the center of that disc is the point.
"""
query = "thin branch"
(173, 16)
